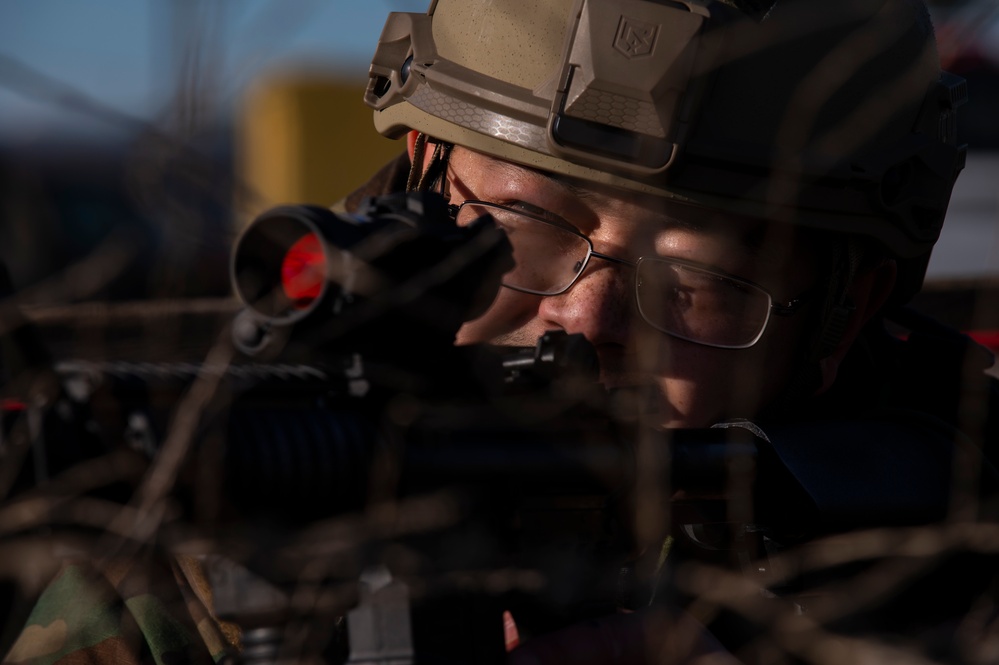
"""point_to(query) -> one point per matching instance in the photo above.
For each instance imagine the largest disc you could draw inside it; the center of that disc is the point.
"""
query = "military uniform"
(128, 613)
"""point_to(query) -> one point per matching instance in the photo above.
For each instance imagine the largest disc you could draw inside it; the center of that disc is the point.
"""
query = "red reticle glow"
(303, 271)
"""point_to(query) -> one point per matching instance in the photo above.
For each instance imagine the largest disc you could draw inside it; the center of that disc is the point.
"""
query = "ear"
(868, 294)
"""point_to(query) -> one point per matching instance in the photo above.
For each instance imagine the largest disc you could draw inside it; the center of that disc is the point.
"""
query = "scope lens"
(303, 271)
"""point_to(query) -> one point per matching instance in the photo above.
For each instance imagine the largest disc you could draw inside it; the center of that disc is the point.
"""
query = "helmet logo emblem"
(634, 38)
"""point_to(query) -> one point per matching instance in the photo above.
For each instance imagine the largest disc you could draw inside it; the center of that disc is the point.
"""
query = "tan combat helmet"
(830, 114)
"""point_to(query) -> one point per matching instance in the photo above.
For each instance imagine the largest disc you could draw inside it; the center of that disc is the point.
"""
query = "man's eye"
(682, 295)
(530, 209)
(547, 215)
(504, 224)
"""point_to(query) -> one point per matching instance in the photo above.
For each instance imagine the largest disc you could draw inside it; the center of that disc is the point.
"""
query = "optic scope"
(401, 262)
(284, 263)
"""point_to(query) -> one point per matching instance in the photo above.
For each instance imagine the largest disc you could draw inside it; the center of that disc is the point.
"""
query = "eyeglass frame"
(776, 308)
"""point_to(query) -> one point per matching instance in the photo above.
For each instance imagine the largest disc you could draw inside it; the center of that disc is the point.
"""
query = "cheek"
(780, 352)
(505, 321)
(691, 381)
(700, 386)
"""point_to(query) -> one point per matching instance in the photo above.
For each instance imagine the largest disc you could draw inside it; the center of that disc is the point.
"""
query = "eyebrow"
(561, 181)
(751, 234)
(752, 240)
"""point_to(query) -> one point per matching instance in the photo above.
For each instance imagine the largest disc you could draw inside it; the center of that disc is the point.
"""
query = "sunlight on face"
(681, 383)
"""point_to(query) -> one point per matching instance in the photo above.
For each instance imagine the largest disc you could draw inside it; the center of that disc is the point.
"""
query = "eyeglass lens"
(700, 305)
(548, 257)
(674, 297)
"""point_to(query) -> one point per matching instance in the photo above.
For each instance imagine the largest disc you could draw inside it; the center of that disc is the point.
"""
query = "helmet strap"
(830, 325)
(839, 306)
(435, 176)
(416, 168)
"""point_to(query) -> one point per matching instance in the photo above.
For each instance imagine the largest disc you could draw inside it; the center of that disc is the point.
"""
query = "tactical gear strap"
(435, 177)
(836, 308)
(416, 168)
(838, 305)
(830, 323)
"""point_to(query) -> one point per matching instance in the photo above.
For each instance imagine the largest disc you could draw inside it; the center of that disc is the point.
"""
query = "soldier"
(706, 192)
(730, 201)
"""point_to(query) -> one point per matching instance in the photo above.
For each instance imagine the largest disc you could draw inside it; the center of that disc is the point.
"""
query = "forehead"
(578, 200)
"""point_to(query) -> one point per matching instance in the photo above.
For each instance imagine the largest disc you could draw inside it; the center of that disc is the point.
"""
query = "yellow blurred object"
(306, 139)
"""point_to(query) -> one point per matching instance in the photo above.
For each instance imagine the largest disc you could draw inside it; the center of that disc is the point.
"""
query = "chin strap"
(435, 177)
(838, 306)
(829, 325)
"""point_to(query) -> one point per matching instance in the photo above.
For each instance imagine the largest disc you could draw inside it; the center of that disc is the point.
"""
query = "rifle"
(445, 485)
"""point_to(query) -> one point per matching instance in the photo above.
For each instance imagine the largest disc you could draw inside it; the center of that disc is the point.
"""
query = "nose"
(600, 305)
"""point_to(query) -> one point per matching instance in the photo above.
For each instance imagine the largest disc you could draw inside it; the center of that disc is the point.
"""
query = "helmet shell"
(832, 115)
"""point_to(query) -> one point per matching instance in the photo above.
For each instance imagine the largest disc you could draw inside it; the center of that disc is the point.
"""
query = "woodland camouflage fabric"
(136, 612)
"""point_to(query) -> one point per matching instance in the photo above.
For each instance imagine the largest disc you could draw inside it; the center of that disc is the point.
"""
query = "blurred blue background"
(136, 56)
(124, 125)
(120, 122)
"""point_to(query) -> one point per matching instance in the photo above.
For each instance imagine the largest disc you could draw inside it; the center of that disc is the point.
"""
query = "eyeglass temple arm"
(614, 259)
(790, 308)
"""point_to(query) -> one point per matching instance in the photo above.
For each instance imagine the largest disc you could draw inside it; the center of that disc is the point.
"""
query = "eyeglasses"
(680, 298)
